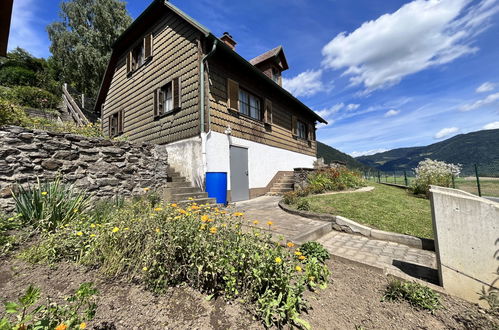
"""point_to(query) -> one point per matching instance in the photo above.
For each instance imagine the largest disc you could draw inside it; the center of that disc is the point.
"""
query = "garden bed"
(353, 299)
(386, 208)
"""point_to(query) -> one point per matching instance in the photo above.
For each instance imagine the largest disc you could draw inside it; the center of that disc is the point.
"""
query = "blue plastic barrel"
(216, 186)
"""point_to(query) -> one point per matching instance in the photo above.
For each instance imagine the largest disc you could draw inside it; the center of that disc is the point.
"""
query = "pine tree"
(82, 40)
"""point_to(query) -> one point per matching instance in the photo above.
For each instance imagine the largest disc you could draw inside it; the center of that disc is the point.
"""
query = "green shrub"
(34, 97)
(433, 172)
(333, 179)
(303, 204)
(17, 76)
(80, 308)
(313, 249)
(11, 114)
(416, 294)
(201, 246)
(49, 205)
(289, 197)
(89, 130)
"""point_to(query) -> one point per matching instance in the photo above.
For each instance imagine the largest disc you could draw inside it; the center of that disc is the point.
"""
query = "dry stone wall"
(102, 167)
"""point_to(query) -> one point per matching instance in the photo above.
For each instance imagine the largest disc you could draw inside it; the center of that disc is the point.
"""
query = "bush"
(313, 249)
(49, 205)
(17, 76)
(303, 205)
(34, 97)
(416, 294)
(11, 114)
(333, 179)
(290, 197)
(201, 246)
(80, 307)
(433, 172)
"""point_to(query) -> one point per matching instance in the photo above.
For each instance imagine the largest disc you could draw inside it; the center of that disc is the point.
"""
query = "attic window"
(275, 75)
(140, 54)
(137, 56)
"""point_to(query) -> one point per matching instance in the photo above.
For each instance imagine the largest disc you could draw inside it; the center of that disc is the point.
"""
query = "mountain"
(481, 148)
(330, 154)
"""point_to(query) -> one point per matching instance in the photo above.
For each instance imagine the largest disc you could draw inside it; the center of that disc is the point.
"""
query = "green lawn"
(386, 208)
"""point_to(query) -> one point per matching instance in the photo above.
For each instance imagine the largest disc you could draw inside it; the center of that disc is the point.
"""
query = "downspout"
(204, 135)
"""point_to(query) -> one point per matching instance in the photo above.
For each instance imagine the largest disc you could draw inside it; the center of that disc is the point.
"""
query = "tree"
(82, 40)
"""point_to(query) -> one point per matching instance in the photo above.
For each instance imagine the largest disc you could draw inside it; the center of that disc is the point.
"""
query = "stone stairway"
(179, 190)
(283, 184)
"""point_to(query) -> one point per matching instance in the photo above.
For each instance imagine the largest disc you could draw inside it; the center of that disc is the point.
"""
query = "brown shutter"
(109, 125)
(120, 121)
(129, 60)
(176, 93)
(232, 95)
(267, 115)
(311, 132)
(148, 46)
(294, 125)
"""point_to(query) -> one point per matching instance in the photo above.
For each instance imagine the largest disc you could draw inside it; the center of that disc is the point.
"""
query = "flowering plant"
(434, 172)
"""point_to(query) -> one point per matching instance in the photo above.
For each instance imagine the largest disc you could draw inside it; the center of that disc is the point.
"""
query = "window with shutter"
(167, 98)
(120, 121)
(267, 117)
(311, 132)
(232, 95)
(148, 46)
(116, 123)
(293, 125)
(301, 130)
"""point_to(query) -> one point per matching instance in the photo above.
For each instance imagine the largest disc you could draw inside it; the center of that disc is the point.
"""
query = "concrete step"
(177, 184)
(182, 190)
(186, 196)
(177, 179)
(280, 190)
(283, 185)
(199, 201)
(290, 180)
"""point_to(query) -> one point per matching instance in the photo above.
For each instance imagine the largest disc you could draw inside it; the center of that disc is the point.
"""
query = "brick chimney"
(227, 39)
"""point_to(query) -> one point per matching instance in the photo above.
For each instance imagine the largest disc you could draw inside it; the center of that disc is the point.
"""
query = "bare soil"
(351, 301)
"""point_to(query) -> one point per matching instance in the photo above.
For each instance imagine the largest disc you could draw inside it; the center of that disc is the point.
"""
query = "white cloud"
(391, 113)
(306, 83)
(351, 107)
(421, 34)
(485, 87)
(25, 28)
(493, 125)
(492, 98)
(367, 152)
(444, 132)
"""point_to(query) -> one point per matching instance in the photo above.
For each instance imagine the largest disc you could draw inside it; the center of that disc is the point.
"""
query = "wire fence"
(475, 183)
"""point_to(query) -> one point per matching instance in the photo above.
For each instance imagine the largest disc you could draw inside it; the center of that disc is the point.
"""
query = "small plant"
(433, 172)
(303, 205)
(290, 198)
(49, 205)
(492, 298)
(416, 294)
(8, 241)
(313, 249)
(73, 315)
(334, 179)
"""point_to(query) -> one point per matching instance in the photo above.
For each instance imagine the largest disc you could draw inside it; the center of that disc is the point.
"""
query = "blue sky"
(385, 74)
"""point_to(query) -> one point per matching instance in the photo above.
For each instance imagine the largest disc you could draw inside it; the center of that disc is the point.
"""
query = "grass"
(386, 208)
(414, 293)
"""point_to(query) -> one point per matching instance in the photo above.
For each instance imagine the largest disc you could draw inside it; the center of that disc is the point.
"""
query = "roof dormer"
(272, 64)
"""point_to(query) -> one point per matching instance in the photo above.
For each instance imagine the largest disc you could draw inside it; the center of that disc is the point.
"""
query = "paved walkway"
(381, 254)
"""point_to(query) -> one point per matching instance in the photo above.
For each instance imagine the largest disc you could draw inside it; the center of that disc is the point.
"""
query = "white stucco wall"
(466, 229)
(264, 161)
(185, 156)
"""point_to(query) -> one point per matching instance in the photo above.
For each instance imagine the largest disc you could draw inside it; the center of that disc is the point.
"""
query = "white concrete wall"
(466, 229)
(264, 161)
(185, 156)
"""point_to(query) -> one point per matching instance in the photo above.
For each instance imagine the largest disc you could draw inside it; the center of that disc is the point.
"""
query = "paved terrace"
(390, 256)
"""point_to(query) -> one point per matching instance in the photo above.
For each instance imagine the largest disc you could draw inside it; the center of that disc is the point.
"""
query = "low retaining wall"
(343, 224)
(102, 167)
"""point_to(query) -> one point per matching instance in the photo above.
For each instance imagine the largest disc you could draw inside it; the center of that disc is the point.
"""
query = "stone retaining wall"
(102, 167)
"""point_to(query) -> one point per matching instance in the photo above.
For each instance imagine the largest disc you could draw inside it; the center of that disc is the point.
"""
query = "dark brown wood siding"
(278, 134)
(175, 55)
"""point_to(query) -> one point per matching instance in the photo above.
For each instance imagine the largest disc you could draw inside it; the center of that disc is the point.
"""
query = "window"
(116, 124)
(301, 130)
(275, 75)
(167, 98)
(137, 56)
(250, 105)
(140, 54)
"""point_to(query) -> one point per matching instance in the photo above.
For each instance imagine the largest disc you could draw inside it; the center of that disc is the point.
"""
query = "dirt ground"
(351, 301)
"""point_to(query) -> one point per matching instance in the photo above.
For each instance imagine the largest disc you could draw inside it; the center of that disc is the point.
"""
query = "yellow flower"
(83, 325)
(302, 257)
(270, 223)
(79, 233)
(311, 278)
(158, 209)
(92, 226)
(213, 230)
(75, 210)
(147, 189)
(61, 326)
(290, 244)
(278, 260)
(144, 269)
(115, 229)
(203, 226)
(205, 218)
(92, 235)
(44, 193)
(256, 222)
(298, 268)
(127, 228)
(224, 225)
(182, 211)
(238, 214)
(173, 205)
(158, 230)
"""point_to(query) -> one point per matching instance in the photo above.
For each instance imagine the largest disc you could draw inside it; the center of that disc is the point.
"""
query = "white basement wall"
(185, 157)
(264, 161)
